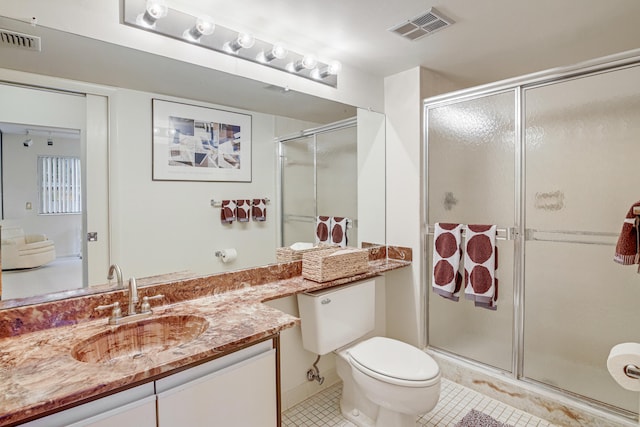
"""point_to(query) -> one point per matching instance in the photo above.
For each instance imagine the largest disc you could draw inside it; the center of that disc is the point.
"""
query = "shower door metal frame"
(519, 85)
(312, 132)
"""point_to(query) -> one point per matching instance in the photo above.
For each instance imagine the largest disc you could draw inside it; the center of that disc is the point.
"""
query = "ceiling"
(490, 40)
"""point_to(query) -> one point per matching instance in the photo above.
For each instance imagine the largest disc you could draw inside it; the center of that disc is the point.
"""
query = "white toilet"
(386, 383)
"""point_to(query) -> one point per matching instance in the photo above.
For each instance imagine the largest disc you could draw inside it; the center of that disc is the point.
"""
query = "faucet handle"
(145, 307)
(116, 313)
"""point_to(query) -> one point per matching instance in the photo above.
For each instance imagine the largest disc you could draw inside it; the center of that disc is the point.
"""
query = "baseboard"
(305, 390)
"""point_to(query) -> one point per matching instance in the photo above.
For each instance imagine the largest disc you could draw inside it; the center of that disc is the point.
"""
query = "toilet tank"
(334, 317)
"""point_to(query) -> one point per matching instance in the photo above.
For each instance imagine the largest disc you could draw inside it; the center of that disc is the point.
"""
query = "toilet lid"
(394, 359)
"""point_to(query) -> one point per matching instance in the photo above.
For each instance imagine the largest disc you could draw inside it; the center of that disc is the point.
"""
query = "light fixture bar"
(156, 17)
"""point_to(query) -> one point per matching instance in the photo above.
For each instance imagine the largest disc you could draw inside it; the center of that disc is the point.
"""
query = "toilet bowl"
(386, 383)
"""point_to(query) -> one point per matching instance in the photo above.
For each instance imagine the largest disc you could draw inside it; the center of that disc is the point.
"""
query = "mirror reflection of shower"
(318, 177)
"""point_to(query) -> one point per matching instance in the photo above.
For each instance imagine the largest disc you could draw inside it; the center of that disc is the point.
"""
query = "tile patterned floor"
(323, 410)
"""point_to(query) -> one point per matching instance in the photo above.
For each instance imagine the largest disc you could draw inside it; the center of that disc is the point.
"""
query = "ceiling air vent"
(422, 25)
(10, 38)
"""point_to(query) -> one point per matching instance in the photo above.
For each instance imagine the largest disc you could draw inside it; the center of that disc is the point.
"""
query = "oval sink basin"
(139, 340)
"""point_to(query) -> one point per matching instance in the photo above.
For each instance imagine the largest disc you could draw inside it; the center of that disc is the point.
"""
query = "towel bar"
(218, 203)
(509, 233)
(308, 218)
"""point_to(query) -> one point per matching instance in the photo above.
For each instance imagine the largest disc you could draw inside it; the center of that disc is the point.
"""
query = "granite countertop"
(39, 375)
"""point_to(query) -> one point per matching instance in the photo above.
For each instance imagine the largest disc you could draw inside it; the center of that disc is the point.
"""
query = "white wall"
(404, 93)
(165, 226)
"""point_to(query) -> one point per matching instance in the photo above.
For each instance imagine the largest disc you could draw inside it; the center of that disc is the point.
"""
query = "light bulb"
(332, 69)
(204, 26)
(154, 10)
(278, 51)
(243, 41)
(308, 62)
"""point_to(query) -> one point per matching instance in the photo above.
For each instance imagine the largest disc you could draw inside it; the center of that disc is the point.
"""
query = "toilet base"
(388, 418)
(354, 415)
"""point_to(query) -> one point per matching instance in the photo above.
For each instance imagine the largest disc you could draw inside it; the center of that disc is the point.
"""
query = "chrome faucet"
(115, 268)
(145, 308)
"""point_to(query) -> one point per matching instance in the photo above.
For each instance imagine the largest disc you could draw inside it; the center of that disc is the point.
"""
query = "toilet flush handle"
(325, 301)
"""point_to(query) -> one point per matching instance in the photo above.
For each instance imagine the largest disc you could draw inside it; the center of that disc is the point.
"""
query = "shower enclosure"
(550, 159)
(318, 176)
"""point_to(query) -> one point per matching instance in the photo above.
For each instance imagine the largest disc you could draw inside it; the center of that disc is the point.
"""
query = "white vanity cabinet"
(135, 407)
(237, 390)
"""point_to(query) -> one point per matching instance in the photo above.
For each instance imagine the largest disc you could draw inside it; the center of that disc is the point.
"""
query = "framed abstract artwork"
(193, 143)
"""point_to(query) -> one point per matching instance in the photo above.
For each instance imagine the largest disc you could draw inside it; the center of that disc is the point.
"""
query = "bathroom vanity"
(57, 360)
(221, 388)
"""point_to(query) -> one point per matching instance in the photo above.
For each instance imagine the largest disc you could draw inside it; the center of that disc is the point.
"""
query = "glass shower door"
(582, 148)
(463, 138)
(337, 177)
(298, 190)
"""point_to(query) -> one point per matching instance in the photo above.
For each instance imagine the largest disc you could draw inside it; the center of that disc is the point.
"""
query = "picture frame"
(194, 143)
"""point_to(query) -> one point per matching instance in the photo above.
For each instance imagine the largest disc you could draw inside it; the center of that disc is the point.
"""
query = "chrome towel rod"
(509, 233)
(218, 203)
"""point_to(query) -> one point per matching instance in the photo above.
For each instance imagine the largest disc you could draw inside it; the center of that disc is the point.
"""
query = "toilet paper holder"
(632, 371)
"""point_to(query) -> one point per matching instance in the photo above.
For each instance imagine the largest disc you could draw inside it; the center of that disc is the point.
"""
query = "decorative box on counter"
(295, 251)
(334, 263)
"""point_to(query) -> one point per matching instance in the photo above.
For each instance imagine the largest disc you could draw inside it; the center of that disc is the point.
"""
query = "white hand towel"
(339, 231)
(480, 264)
(446, 278)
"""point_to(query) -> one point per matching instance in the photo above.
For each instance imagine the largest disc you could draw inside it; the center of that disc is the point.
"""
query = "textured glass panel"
(578, 304)
(582, 152)
(471, 179)
(582, 148)
(471, 161)
(337, 176)
(297, 191)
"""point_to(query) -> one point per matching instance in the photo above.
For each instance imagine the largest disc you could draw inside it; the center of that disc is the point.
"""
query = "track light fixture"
(189, 28)
(154, 10)
(204, 26)
(243, 41)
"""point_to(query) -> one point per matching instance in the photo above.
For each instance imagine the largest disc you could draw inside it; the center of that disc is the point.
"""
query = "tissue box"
(334, 263)
(287, 254)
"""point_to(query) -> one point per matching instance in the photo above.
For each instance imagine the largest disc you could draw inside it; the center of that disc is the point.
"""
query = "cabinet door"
(135, 407)
(137, 414)
(241, 395)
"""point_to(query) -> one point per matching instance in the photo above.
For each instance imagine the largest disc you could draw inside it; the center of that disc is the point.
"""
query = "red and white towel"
(243, 210)
(259, 210)
(339, 231)
(323, 227)
(628, 246)
(447, 279)
(480, 264)
(228, 211)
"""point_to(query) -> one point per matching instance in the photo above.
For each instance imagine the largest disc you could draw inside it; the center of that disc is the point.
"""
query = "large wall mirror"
(149, 227)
